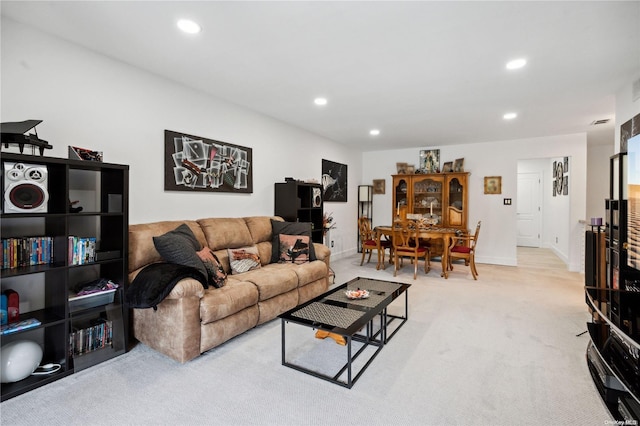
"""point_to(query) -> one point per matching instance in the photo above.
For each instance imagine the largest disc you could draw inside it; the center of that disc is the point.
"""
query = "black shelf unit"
(44, 289)
(297, 201)
(613, 354)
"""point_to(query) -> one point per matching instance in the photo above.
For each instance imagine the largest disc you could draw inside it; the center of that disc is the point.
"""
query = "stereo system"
(25, 188)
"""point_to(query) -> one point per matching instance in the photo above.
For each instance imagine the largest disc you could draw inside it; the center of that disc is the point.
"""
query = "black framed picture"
(194, 163)
(334, 181)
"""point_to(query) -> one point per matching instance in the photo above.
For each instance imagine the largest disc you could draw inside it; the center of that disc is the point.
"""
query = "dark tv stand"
(612, 293)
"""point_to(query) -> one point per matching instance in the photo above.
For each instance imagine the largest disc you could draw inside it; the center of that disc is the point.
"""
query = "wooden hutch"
(441, 197)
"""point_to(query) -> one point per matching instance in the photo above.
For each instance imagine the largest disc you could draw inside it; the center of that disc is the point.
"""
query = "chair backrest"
(364, 227)
(474, 240)
(404, 235)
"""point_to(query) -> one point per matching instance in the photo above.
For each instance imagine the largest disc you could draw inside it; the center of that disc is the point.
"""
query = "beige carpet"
(503, 350)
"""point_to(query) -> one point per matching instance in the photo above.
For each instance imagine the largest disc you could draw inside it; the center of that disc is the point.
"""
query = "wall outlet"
(331, 243)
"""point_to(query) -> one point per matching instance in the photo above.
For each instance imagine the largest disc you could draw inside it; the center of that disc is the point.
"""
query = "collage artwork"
(198, 164)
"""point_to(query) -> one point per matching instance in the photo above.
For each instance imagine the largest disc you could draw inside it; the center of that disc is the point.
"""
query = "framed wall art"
(194, 163)
(560, 176)
(430, 160)
(378, 186)
(447, 167)
(334, 181)
(493, 184)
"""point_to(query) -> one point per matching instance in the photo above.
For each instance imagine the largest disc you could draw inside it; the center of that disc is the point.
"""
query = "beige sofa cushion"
(260, 227)
(309, 272)
(219, 303)
(226, 233)
(272, 280)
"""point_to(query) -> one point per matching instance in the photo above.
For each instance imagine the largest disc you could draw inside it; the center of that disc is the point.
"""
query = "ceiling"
(423, 73)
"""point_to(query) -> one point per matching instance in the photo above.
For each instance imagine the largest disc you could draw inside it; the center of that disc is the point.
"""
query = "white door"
(529, 209)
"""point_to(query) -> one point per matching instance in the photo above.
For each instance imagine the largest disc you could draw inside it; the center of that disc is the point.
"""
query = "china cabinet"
(440, 198)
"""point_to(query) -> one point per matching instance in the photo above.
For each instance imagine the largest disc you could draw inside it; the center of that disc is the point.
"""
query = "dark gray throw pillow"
(289, 228)
(180, 246)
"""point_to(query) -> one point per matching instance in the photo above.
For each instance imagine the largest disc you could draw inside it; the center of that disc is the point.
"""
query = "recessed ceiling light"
(516, 63)
(320, 101)
(188, 26)
(374, 132)
(510, 116)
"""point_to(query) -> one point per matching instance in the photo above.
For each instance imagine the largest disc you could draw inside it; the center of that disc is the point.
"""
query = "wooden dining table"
(432, 232)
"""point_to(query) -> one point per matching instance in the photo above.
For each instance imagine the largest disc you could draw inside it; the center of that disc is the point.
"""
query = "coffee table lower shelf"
(365, 337)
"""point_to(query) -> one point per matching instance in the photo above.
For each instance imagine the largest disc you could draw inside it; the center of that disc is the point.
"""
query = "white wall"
(598, 178)
(91, 101)
(498, 237)
(626, 108)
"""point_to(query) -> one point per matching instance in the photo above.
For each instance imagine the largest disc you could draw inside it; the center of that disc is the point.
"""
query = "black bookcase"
(297, 201)
(45, 283)
(613, 354)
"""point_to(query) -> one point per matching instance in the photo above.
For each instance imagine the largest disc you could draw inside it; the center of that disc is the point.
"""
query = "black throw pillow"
(180, 246)
(289, 228)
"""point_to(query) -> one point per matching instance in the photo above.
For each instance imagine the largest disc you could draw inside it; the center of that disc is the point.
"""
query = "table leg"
(445, 256)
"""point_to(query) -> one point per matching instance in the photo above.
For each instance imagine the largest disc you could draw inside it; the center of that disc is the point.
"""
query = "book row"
(92, 338)
(81, 250)
(26, 251)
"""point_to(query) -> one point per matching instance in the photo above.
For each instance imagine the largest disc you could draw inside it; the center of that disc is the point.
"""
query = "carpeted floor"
(503, 350)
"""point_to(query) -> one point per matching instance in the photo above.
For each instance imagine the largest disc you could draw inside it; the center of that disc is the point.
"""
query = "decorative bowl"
(357, 294)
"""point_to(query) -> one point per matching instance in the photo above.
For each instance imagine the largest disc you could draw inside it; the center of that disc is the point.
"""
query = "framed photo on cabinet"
(458, 165)
(430, 160)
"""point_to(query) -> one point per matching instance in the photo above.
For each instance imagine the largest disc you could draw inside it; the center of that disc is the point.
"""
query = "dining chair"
(464, 247)
(406, 243)
(371, 242)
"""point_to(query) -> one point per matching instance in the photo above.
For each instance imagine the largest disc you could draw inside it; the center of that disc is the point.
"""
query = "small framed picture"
(411, 169)
(458, 165)
(401, 168)
(378, 186)
(447, 167)
(493, 184)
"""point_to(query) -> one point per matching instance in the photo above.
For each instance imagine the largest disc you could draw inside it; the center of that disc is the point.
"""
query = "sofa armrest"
(187, 287)
(322, 252)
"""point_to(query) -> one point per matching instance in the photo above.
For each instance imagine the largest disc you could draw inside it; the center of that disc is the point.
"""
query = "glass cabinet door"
(401, 196)
(427, 199)
(455, 208)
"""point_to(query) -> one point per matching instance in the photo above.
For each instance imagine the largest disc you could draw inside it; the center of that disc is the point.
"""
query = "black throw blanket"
(156, 281)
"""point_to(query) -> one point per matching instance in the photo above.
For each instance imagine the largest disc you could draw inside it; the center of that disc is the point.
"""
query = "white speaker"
(19, 360)
(25, 188)
(316, 199)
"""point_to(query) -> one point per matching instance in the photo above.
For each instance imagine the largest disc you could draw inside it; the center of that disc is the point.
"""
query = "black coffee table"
(364, 321)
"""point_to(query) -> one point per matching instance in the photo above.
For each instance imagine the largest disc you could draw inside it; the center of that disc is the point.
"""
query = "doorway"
(529, 209)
